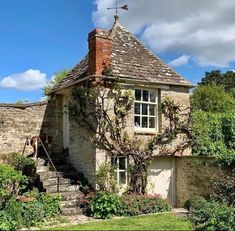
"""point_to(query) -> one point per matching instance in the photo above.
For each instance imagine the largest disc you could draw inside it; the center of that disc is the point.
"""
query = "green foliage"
(19, 162)
(58, 78)
(214, 135)
(224, 188)
(22, 101)
(105, 178)
(217, 78)
(11, 182)
(27, 214)
(105, 205)
(212, 98)
(133, 205)
(25, 165)
(210, 214)
(6, 222)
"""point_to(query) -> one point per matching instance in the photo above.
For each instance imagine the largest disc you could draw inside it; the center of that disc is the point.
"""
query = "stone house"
(151, 81)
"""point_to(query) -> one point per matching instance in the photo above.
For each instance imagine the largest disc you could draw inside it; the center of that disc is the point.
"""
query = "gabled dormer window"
(146, 109)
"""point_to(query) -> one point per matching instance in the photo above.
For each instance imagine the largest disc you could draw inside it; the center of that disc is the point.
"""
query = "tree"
(58, 78)
(212, 98)
(215, 77)
(104, 109)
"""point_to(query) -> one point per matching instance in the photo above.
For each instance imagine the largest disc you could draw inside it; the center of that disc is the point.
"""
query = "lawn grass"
(164, 221)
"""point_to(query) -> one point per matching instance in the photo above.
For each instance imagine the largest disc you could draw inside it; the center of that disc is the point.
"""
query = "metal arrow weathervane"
(125, 7)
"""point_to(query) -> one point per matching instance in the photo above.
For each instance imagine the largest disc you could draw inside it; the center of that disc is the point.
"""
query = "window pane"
(152, 122)
(152, 110)
(122, 177)
(152, 96)
(145, 96)
(144, 122)
(137, 121)
(114, 161)
(137, 108)
(144, 109)
(122, 163)
(137, 94)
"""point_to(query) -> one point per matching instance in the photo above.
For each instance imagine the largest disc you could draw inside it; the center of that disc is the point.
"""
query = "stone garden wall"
(20, 121)
(193, 176)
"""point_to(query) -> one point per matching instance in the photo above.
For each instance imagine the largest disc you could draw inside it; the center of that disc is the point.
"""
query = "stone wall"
(20, 121)
(193, 176)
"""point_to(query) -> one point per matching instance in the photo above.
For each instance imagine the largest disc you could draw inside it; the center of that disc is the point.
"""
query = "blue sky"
(41, 37)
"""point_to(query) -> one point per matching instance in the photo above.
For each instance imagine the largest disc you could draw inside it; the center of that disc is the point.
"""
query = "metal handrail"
(58, 177)
(25, 143)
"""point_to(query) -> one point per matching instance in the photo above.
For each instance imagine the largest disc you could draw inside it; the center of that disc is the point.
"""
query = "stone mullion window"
(145, 109)
(121, 166)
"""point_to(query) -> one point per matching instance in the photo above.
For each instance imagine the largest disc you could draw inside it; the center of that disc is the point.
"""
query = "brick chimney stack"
(100, 45)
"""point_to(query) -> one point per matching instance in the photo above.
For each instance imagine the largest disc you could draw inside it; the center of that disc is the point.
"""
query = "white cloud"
(204, 30)
(182, 60)
(28, 80)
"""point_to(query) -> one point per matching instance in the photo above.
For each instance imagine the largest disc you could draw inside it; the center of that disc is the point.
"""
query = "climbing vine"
(104, 110)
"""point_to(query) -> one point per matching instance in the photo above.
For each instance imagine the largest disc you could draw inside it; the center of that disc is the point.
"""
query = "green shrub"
(142, 204)
(11, 182)
(105, 178)
(105, 205)
(50, 205)
(19, 162)
(7, 223)
(27, 214)
(214, 134)
(212, 98)
(210, 214)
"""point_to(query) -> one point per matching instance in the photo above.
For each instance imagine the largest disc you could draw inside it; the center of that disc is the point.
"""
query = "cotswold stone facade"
(17, 122)
(115, 53)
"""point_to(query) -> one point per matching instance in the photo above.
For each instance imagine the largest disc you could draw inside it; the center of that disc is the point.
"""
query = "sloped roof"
(78, 72)
(130, 59)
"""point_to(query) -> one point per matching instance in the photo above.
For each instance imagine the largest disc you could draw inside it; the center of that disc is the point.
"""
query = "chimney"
(100, 45)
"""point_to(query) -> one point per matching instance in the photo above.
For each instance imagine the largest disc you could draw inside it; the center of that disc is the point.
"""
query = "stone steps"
(67, 196)
(69, 187)
(68, 204)
(63, 181)
(71, 211)
(62, 188)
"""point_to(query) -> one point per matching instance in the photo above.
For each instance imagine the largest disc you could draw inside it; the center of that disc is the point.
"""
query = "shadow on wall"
(17, 122)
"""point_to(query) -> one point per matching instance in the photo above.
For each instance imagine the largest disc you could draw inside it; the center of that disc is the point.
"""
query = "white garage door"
(161, 178)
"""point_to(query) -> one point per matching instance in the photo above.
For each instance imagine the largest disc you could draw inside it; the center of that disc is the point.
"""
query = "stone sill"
(146, 132)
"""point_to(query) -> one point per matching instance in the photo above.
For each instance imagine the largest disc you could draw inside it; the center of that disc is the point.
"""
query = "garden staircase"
(70, 181)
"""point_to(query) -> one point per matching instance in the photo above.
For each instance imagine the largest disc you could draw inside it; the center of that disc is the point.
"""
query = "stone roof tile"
(130, 59)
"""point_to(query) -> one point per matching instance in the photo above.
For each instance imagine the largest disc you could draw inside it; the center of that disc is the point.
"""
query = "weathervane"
(125, 7)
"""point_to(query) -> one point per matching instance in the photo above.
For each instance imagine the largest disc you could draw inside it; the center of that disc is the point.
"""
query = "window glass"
(138, 94)
(151, 110)
(144, 109)
(152, 96)
(137, 108)
(137, 121)
(144, 122)
(122, 163)
(145, 95)
(151, 122)
(122, 177)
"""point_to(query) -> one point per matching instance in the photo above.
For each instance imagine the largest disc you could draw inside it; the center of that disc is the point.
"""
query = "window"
(120, 164)
(145, 109)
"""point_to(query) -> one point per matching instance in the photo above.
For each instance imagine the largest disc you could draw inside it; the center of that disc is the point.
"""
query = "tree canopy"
(215, 77)
(58, 77)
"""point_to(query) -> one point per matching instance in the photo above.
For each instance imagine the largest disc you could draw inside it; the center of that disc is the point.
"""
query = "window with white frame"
(121, 165)
(146, 109)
